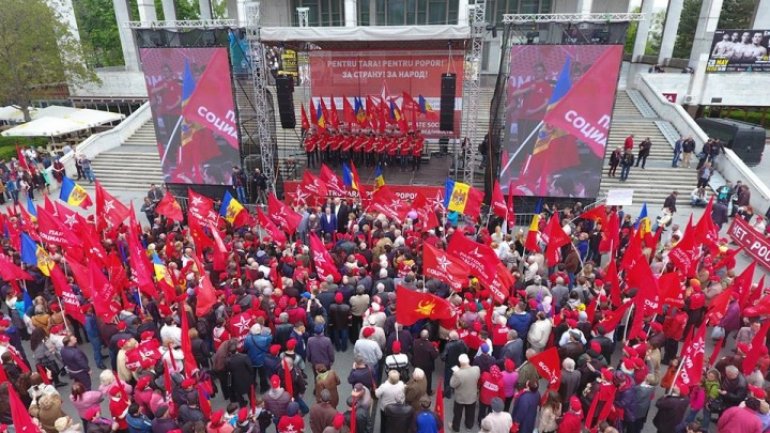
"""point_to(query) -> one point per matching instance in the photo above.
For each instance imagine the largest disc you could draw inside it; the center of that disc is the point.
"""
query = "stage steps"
(659, 179)
(132, 166)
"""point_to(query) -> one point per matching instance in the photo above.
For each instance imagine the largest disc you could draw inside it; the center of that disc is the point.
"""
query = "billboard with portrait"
(559, 101)
(191, 98)
(740, 51)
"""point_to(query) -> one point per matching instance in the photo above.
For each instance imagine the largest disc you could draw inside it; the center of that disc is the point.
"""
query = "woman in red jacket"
(490, 386)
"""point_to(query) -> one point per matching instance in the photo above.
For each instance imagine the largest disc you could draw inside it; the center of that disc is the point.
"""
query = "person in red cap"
(217, 423)
(572, 422)
(119, 404)
(292, 422)
(673, 329)
(97, 423)
(340, 318)
(273, 360)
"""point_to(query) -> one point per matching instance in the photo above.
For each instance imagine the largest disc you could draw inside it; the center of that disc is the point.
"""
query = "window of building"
(321, 13)
(408, 12)
(497, 8)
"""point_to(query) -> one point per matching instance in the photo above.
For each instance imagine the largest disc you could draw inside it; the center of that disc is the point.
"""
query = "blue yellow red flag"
(350, 176)
(74, 194)
(32, 254)
(643, 224)
(379, 179)
(231, 208)
(188, 87)
(161, 271)
(462, 198)
(31, 208)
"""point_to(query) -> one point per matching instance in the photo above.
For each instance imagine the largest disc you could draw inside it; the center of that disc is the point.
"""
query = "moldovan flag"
(413, 306)
(597, 85)
(324, 264)
(548, 365)
(282, 214)
(462, 198)
(206, 107)
(350, 176)
(534, 230)
(444, 267)
(556, 239)
(169, 208)
(233, 211)
(74, 194)
(498, 205)
(33, 254)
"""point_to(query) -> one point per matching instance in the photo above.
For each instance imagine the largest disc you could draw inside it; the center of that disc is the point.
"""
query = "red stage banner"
(434, 194)
(388, 74)
(751, 240)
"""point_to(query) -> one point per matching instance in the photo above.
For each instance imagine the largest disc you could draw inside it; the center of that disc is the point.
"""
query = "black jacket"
(671, 411)
(397, 417)
(424, 355)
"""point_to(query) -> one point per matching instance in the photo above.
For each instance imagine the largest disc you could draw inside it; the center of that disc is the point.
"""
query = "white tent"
(13, 114)
(56, 120)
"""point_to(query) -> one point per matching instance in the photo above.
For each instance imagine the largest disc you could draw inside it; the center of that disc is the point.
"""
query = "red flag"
(82, 275)
(167, 374)
(108, 207)
(22, 159)
(10, 272)
(414, 306)
(611, 276)
(353, 420)
(104, 305)
(347, 112)
(610, 235)
(314, 116)
(333, 118)
(253, 399)
(682, 253)
(438, 407)
(556, 239)
(498, 205)
(715, 352)
(386, 202)
(671, 290)
(66, 216)
(205, 403)
(288, 379)
(481, 259)
(305, 123)
(501, 285)
(275, 233)
(22, 420)
(612, 318)
(425, 212)
(692, 358)
(310, 186)
(596, 85)
(548, 365)
(189, 360)
(324, 264)
(206, 294)
(169, 207)
(706, 232)
(332, 181)
(742, 284)
(49, 206)
(718, 307)
(201, 208)
(641, 277)
(200, 238)
(205, 106)
(220, 252)
(598, 213)
(371, 112)
(141, 270)
(444, 267)
(511, 214)
(633, 252)
(282, 214)
(757, 293)
(757, 344)
(53, 232)
(531, 242)
(67, 297)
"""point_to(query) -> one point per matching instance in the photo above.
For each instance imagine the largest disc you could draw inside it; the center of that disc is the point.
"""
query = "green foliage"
(219, 8)
(37, 50)
(633, 27)
(736, 14)
(99, 32)
(8, 145)
(654, 36)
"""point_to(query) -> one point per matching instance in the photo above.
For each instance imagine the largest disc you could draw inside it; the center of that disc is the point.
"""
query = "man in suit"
(328, 222)
(341, 211)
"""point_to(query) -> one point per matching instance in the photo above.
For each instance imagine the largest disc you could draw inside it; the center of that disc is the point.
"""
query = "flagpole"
(515, 154)
(628, 319)
(676, 375)
(64, 318)
(170, 139)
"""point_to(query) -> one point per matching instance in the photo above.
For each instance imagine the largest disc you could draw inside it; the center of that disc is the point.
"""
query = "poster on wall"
(381, 78)
(739, 51)
(559, 101)
(193, 112)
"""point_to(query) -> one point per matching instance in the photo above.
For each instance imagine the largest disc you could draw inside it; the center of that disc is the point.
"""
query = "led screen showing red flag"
(190, 92)
(389, 73)
(559, 101)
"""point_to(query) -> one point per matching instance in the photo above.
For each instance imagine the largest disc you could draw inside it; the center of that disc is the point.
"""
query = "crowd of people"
(268, 343)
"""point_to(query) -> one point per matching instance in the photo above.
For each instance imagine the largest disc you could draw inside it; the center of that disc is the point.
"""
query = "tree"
(99, 32)
(736, 14)
(38, 51)
(654, 35)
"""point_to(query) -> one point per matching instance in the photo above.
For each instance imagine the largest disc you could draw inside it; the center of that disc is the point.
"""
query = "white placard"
(620, 197)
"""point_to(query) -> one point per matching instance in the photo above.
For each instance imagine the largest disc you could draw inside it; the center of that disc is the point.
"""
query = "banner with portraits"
(740, 51)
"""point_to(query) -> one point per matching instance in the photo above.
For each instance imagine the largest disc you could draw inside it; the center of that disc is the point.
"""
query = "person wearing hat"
(99, 424)
(217, 423)
(320, 349)
(671, 409)
(464, 382)
(292, 421)
(276, 398)
(241, 373)
(120, 334)
(340, 318)
(119, 405)
(572, 421)
(137, 421)
(273, 360)
(163, 422)
(327, 379)
(322, 413)
(75, 361)
(368, 350)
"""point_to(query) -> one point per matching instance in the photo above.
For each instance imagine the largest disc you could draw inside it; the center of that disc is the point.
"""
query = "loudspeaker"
(447, 115)
(284, 86)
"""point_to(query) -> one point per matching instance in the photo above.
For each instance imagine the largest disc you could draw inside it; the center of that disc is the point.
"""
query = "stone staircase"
(132, 166)
(632, 115)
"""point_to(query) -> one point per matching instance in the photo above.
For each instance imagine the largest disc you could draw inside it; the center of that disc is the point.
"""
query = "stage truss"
(183, 24)
(570, 18)
(472, 86)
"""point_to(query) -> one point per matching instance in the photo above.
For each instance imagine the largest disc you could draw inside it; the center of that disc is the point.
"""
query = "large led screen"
(191, 98)
(559, 101)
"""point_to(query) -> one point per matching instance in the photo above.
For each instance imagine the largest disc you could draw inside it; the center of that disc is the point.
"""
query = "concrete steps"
(132, 166)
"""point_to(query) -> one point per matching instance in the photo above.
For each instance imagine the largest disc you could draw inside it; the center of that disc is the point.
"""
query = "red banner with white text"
(387, 74)
(434, 194)
(752, 241)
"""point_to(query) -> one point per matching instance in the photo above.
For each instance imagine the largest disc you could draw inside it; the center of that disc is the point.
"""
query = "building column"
(232, 9)
(351, 13)
(169, 13)
(243, 18)
(584, 6)
(762, 16)
(642, 31)
(462, 13)
(205, 9)
(67, 12)
(147, 11)
(127, 41)
(704, 33)
(673, 14)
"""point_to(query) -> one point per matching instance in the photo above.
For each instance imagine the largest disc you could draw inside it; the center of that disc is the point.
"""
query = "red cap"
(147, 335)
(291, 344)
(338, 298)
(55, 329)
(122, 325)
(115, 390)
(595, 346)
(121, 343)
(243, 414)
(292, 302)
(574, 404)
(4, 338)
(477, 326)
(275, 381)
(216, 417)
(5, 323)
(509, 365)
(743, 348)
(339, 421)
(143, 382)
(757, 392)
(572, 323)
(188, 383)
(629, 363)
(55, 308)
(275, 349)
(607, 374)
(656, 326)
(368, 331)
(639, 363)
(396, 347)
(473, 308)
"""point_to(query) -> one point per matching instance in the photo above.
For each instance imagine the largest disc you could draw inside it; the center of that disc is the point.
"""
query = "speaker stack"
(447, 114)
(284, 86)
